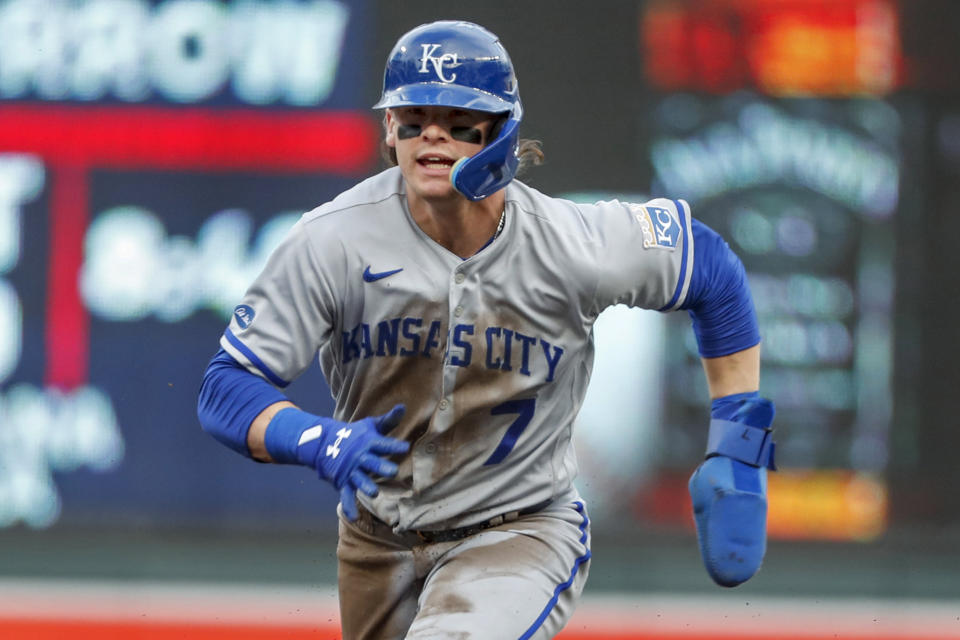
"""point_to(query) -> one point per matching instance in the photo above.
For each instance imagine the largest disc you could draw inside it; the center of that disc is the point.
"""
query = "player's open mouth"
(435, 162)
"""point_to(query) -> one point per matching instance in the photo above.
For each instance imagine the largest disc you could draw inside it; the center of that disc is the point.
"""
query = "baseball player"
(451, 309)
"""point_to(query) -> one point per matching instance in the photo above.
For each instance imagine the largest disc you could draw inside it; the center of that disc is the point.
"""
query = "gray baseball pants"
(519, 580)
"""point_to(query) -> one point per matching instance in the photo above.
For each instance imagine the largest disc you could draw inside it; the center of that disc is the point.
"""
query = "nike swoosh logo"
(369, 276)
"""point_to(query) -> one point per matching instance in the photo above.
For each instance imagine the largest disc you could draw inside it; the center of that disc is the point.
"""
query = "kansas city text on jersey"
(492, 347)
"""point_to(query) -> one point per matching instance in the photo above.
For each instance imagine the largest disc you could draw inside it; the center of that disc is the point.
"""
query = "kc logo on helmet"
(438, 62)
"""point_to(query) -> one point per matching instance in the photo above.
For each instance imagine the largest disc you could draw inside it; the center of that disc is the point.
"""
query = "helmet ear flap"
(494, 166)
(497, 127)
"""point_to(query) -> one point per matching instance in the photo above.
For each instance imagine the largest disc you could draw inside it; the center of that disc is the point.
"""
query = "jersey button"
(459, 278)
(443, 404)
(430, 448)
(458, 311)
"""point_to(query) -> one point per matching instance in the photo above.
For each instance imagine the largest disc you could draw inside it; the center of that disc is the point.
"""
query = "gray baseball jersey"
(491, 354)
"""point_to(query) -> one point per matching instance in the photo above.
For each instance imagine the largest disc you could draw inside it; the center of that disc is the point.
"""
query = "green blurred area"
(909, 565)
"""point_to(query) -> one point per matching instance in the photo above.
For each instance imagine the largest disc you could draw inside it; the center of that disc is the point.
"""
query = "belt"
(450, 535)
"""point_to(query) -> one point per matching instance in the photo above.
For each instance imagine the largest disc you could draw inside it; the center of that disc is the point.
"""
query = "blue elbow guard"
(719, 300)
(729, 489)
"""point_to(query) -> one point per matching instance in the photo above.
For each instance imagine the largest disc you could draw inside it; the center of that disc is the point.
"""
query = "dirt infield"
(82, 610)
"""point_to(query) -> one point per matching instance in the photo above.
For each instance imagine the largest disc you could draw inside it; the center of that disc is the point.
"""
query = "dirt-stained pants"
(521, 579)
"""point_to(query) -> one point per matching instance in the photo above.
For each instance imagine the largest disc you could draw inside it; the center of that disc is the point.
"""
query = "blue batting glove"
(729, 488)
(346, 454)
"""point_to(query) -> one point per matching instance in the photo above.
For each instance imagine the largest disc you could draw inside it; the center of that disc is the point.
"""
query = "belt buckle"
(448, 535)
(460, 533)
(510, 516)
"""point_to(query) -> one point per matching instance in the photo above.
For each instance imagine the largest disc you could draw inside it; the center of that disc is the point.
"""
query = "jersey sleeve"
(646, 254)
(286, 314)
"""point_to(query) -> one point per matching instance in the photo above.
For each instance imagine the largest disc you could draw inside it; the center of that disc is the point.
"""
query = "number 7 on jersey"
(524, 409)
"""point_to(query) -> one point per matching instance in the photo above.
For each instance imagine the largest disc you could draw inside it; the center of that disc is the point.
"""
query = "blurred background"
(152, 153)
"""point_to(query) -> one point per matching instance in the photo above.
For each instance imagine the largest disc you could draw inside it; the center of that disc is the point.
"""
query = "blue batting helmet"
(460, 64)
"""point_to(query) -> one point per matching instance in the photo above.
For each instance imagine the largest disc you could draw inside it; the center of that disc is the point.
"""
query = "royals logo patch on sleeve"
(660, 227)
(244, 315)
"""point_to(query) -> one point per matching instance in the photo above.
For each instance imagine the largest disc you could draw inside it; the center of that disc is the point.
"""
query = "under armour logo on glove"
(333, 450)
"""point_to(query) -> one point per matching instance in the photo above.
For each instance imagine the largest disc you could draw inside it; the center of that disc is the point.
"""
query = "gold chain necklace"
(500, 224)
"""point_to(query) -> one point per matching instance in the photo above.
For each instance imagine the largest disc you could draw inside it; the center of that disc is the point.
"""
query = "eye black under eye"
(466, 134)
(471, 135)
(407, 131)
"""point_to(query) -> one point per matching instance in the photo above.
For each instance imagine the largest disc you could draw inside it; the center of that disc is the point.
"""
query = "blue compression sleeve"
(719, 301)
(230, 398)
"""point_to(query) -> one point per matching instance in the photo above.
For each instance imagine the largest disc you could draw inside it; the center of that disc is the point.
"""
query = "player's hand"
(729, 489)
(347, 454)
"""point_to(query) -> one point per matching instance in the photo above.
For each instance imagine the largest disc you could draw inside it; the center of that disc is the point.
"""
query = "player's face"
(428, 140)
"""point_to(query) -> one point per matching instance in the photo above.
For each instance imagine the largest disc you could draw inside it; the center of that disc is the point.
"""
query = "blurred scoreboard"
(151, 156)
(779, 47)
(772, 120)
